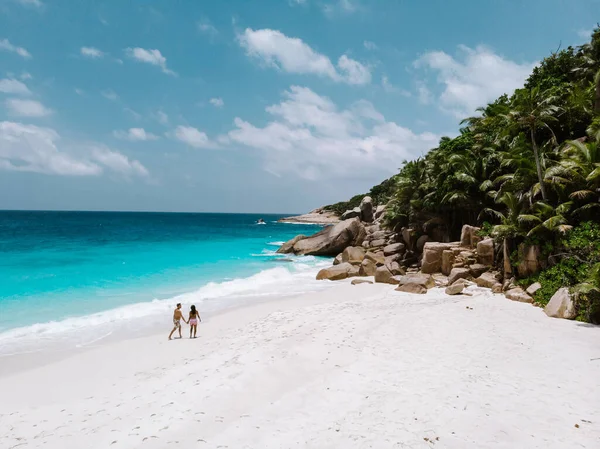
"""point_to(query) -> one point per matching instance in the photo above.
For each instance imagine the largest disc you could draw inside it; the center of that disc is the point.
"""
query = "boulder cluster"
(416, 262)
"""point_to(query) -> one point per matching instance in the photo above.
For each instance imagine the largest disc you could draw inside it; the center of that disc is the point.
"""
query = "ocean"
(74, 278)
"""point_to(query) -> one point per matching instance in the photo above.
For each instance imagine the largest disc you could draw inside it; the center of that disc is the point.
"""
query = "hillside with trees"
(526, 169)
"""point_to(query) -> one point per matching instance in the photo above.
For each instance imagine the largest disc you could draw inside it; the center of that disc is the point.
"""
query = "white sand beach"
(350, 367)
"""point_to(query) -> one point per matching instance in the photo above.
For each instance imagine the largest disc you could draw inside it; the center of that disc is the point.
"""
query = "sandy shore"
(350, 367)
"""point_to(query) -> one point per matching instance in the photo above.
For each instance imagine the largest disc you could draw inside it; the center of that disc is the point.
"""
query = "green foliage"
(566, 273)
(526, 168)
(380, 194)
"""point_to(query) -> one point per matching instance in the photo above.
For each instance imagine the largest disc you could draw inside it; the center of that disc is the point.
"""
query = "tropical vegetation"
(527, 165)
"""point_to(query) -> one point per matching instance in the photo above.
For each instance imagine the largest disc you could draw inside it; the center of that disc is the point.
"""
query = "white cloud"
(29, 148)
(91, 52)
(206, 27)
(294, 56)
(479, 76)
(193, 137)
(153, 57)
(118, 162)
(370, 45)
(423, 93)
(12, 86)
(135, 135)
(109, 94)
(162, 118)
(34, 3)
(390, 88)
(7, 46)
(26, 76)
(27, 108)
(217, 102)
(79, 91)
(309, 136)
(356, 73)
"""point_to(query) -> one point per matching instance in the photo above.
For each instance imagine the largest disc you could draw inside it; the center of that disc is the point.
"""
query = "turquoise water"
(64, 270)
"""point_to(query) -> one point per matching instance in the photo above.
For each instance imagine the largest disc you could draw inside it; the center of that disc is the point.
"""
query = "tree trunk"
(538, 164)
(597, 96)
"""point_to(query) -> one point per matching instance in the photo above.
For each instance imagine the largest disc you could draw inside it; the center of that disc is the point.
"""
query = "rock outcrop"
(412, 288)
(432, 256)
(385, 276)
(469, 237)
(533, 288)
(487, 280)
(455, 289)
(485, 252)
(354, 255)
(366, 209)
(458, 273)
(518, 294)
(368, 267)
(336, 272)
(332, 240)
(424, 280)
(562, 305)
(288, 247)
(352, 213)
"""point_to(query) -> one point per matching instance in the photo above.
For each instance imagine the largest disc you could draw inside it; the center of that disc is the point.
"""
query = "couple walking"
(193, 319)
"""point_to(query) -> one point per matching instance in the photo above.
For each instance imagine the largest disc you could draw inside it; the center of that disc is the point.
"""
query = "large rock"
(394, 267)
(376, 257)
(351, 213)
(455, 289)
(409, 237)
(379, 235)
(385, 276)
(533, 288)
(485, 252)
(366, 209)
(379, 211)
(354, 255)
(478, 269)
(335, 273)
(338, 259)
(421, 241)
(288, 247)
(447, 261)
(412, 288)
(561, 305)
(530, 260)
(394, 248)
(432, 256)
(368, 267)
(425, 280)
(458, 273)
(468, 236)
(333, 239)
(487, 280)
(518, 294)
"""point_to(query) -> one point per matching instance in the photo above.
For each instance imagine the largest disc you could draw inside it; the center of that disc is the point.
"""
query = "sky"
(272, 106)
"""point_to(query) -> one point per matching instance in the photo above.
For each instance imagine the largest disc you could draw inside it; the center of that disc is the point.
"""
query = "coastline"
(350, 366)
(316, 217)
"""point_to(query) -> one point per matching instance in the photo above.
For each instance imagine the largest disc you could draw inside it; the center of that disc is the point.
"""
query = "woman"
(193, 320)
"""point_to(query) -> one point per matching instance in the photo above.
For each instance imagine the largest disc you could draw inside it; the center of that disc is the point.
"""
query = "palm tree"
(533, 111)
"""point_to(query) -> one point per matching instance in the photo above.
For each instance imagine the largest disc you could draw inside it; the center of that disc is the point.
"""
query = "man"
(177, 317)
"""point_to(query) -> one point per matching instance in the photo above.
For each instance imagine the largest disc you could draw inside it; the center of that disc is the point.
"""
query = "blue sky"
(248, 106)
